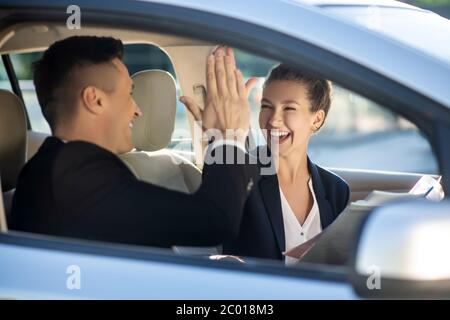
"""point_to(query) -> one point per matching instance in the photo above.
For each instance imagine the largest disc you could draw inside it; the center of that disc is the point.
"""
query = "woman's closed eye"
(266, 106)
(289, 108)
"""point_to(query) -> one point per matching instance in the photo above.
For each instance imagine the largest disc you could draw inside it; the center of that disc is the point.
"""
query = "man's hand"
(226, 100)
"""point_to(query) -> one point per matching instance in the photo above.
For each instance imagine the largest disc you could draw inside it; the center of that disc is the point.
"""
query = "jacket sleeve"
(101, 200)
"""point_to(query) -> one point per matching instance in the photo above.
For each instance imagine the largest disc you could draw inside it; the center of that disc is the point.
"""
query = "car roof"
(383, 3)
(309, 21)
(398, 60)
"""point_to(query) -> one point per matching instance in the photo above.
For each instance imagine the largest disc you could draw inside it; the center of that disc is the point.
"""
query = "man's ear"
(319, 118)
(93, 99)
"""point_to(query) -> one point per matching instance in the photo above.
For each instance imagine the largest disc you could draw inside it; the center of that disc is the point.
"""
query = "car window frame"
(271, 44)
(156, 254)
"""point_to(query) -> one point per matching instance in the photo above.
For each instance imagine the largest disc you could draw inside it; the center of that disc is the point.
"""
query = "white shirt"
(295, 233)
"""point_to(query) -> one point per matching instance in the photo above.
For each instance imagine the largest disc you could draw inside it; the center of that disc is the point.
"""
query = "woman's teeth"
(280, 135)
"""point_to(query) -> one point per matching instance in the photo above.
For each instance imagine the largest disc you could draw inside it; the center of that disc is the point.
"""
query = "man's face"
(122, 110)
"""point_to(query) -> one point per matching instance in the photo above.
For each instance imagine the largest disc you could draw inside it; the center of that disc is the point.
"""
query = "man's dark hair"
(318, 90)
(53, 71)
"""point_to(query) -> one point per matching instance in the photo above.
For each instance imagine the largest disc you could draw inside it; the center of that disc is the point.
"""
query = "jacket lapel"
(326, 213)
(271, 197)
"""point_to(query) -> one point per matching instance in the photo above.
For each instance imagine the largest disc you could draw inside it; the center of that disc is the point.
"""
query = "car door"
(35, 266)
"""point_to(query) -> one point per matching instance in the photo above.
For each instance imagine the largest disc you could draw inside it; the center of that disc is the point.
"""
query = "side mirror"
(403, 251)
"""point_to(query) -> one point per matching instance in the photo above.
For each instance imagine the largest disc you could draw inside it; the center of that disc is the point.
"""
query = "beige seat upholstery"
(155, 93)
(34, 142)
(13, 143)
(164, 168)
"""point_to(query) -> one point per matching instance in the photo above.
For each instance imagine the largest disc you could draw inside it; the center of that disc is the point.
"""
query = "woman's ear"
(319, 118)
(93, 99)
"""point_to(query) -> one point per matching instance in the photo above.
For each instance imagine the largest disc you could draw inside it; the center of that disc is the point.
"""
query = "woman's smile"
(278, 136)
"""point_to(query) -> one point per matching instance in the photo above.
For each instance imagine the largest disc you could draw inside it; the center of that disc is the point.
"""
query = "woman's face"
(286, 117)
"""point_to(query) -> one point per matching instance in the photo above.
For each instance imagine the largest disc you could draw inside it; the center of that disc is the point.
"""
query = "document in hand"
(378, 197)
(429, 187)
(299, 251)
(334, 244)
(426, 187)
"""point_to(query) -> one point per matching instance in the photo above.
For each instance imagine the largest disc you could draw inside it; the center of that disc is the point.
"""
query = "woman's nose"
(276, 119)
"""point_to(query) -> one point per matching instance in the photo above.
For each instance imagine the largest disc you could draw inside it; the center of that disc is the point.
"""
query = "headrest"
(156, 95)
(13, 138)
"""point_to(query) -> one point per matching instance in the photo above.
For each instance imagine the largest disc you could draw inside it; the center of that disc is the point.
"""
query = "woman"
(300, 199)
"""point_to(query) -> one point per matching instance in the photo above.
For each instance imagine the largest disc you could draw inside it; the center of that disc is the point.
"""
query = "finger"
(240, 84)
(222, 87)
(211, 85)
(230, 67)
(250, 84)
(214, 50)
(192, 107)
(230, 53)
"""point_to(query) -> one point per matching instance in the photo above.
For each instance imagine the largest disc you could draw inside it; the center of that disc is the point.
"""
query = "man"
(76, 186)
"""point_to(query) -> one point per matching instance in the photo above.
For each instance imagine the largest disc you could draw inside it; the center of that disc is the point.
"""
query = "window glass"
(357, 132)
(4, 80)
(137, 57)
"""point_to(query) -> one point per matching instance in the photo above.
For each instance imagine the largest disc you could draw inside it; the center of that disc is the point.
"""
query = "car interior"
(3, 225)
(156, 94)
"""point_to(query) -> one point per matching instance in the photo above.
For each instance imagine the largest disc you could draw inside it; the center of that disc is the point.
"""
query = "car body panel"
(42, 273)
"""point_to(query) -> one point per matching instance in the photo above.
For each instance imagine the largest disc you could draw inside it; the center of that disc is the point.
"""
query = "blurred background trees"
(441, 7)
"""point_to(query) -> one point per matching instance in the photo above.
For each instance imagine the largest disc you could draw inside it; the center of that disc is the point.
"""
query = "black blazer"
(80, 190)
(261, 233)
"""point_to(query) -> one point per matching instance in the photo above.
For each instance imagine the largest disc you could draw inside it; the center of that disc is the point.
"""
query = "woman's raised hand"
(227, 96)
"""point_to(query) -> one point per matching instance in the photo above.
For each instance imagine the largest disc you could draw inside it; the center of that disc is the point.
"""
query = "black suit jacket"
(81, 190)
(261, 233)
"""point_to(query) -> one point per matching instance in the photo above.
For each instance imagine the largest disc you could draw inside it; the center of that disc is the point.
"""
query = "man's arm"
(138, 212)
(106, 202)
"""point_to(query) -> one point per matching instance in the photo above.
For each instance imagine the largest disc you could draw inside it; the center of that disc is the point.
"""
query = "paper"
(429, 187)
(426, 187)
(378, 197)
(300, 250)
